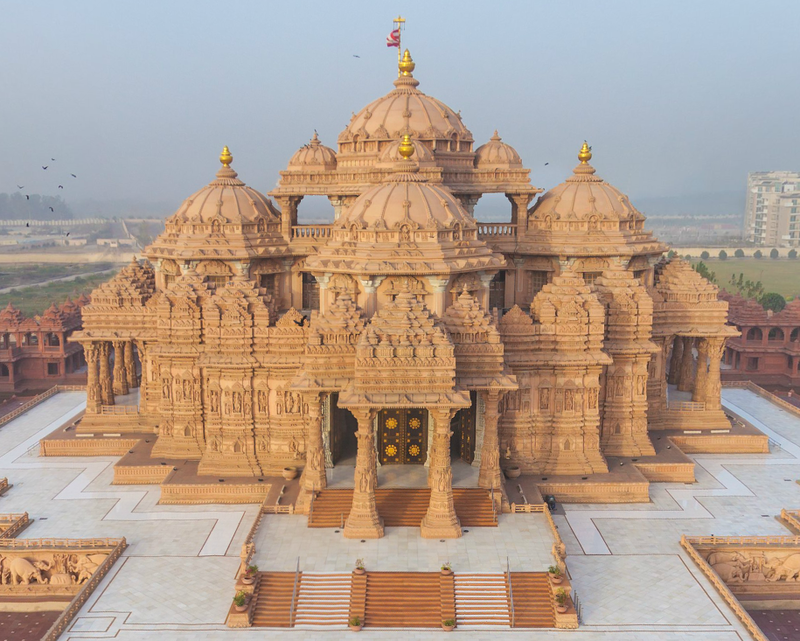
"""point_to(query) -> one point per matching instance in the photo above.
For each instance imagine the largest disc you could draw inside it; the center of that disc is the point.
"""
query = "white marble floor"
(175, 580)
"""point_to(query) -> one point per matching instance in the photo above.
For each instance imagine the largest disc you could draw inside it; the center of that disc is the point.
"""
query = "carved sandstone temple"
(405, 332)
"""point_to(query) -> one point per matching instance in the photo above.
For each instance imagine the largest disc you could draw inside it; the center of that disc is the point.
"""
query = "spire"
(585, 154)
(225, 157)
(406, 149)
(406, 65)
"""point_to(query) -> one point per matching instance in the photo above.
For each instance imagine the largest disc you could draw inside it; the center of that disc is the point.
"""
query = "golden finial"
(225, 157)
(585, 154)
(406, 147)
(406, 65)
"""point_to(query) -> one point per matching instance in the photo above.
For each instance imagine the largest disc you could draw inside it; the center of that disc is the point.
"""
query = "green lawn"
(30, 273)
(34, 300)
(781, 275)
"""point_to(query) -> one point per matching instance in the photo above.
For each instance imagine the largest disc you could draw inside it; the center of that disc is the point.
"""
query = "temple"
(406, 332)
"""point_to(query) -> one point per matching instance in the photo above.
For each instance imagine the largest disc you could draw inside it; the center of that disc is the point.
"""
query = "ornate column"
(364, 521)
(519, 211)
(441, 522)
(701, 376)
(490, 476)
(93, 400)
(439, 287)
(288, 205)
(675, 361)
(106, 389)
(369, 303)
(120, 377)
(713, 386)
(687, 362)
(313, 479)
(130, 365)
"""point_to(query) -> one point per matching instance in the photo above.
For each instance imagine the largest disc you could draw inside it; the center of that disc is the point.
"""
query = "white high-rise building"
(772, 211)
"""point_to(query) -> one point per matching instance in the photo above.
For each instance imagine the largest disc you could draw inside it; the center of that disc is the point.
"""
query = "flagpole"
(399, 23)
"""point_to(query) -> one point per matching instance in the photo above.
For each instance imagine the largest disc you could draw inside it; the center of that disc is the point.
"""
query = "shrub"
(561, 596)
(774, 253)
(792, 254)
(355, 621)
(773, 301)
(758, 254)
(723, 255)
(705, 255)
(688, 257)
(240, 598)
(739, 253)
(672, 253)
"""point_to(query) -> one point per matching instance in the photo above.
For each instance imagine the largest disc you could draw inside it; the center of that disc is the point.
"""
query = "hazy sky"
(138, 98)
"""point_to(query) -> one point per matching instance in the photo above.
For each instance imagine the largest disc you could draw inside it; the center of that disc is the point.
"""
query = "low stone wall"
(7, 418)
(12, 524)
(200, 494)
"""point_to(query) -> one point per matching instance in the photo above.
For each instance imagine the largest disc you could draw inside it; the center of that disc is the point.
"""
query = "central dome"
(406, 110)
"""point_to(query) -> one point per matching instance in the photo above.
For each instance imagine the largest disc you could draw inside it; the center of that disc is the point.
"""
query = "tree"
(739, 253)
(672, 253)
(774, 253)
(758, 254)
(705, 255)
(688, 257)
(792, 254)
(702, 269)
(773, 301)
(723, 255)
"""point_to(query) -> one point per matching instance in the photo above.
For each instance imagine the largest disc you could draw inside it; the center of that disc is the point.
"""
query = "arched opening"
(4, 371)
(30, 339)
(755, 334)
(344, 445)
(52, 340)
(795, 335)
(775, 334)
(315, 210)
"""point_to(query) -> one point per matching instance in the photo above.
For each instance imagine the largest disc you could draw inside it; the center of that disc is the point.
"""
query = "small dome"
(314, 156)
(406, 110)
(406, 199)
(585, 196)
(422, 156)
(226, 200)
(496, 154)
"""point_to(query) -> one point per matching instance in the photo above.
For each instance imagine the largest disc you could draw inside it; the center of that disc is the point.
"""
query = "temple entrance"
(344, 445)
(462, 443)
(402, 436)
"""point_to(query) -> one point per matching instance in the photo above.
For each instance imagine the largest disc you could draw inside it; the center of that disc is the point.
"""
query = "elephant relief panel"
(755, 566)
(56, 569)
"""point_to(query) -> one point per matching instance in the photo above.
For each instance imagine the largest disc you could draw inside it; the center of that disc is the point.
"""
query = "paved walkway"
(175, 581)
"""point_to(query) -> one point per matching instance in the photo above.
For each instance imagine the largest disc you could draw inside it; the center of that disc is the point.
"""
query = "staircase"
(533, 603)
(273, 599)
(403, 507)
(482, 600)
(403, 600)
(323, 599)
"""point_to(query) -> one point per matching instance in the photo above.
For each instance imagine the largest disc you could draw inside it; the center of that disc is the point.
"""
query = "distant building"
(34, 353)
(773, 205)
(768, 350)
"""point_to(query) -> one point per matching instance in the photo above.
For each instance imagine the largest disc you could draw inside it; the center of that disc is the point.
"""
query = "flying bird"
(27, 197)
(45, 166)
(73, 175)
(51, 209)
(27, 224)
(67, 233)
(547, 163)
(53, 159)
(61, 186)
(20, 186)
(355, 56)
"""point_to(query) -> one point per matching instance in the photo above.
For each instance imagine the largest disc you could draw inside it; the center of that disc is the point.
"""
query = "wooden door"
(402, 436)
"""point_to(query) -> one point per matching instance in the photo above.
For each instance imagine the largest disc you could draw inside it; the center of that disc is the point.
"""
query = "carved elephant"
(785, 569)
(730, 572)
(24, 571)
(734, 559)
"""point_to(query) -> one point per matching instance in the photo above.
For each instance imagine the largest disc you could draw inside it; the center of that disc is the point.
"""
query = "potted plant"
(249, 576)
(555, 574)
(446, 569)
(241, 601)
(513, 471)
(359, 567)
(561, 601)
(448, 624)
(355, 624)
(289, 473)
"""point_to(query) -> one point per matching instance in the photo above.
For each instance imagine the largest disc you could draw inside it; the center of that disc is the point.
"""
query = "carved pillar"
(685, 377)
(93, 395)
(120, 378)
(713, 386)
(701, 376)
(288, 205)
(675, 360)
(369, 303)
(106, 389)
(439, 287)
(490, 476)
(130, 365)
(314, 479)
(519, 211)
(364, 521)
(441, 522)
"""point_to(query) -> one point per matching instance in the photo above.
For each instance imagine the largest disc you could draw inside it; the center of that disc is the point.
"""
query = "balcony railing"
(311, 233)
(497, 230)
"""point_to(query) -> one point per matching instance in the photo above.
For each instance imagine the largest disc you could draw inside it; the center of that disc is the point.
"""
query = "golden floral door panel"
(402, 436)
